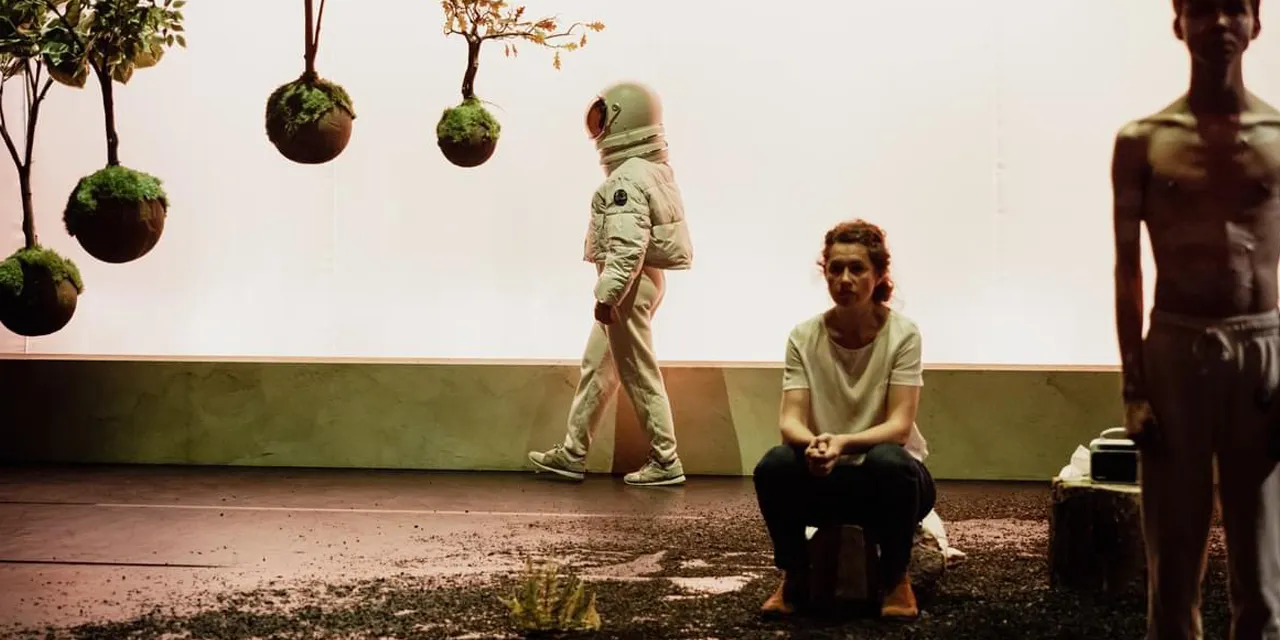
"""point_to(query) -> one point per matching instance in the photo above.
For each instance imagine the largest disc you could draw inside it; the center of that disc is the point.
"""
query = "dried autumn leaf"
(496, 20)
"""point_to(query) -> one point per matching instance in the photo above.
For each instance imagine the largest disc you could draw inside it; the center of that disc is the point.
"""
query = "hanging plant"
(309, 120)
(117, 213)
(468, 134)
(39, 289)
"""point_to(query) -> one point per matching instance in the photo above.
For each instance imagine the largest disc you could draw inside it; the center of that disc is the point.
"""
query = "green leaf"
(71, 76)
(148, 57)
(122, 72)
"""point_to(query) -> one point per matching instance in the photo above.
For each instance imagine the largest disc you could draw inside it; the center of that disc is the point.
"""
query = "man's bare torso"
(1211, 204)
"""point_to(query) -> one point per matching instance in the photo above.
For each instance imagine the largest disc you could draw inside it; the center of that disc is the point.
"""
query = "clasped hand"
(822, 453)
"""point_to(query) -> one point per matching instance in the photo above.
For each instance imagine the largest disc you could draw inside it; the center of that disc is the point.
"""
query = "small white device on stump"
(1113, 458)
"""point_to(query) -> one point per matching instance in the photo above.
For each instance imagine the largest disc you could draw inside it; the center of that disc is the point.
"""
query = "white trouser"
(622, 354)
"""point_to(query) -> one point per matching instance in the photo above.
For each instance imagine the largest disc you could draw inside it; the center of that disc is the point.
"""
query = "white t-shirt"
(849, 388)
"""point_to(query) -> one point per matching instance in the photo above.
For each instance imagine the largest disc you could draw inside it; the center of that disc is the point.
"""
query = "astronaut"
(637, 232)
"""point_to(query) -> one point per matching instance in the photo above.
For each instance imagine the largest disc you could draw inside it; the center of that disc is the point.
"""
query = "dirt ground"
(131, 552)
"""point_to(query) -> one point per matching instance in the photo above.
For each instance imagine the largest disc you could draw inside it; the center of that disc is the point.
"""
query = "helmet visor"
(597, 113)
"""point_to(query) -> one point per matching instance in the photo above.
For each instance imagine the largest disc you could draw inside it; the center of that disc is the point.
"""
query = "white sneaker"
(653, 474)
(558, 461)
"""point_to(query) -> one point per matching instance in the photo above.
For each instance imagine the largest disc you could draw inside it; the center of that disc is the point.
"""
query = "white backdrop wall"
(978, 133)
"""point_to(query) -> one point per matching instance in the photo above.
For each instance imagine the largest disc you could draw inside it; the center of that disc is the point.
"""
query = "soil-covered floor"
(161, 552)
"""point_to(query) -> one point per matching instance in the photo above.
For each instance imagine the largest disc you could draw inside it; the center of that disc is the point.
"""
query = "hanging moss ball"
(468, 134)
(117, 214)
(309, 120)
(38, 292)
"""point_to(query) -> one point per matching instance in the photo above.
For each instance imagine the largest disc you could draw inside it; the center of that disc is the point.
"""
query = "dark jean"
(887, 495)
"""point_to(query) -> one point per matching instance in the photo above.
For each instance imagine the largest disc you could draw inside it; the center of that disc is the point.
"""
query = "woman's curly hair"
(872, 238)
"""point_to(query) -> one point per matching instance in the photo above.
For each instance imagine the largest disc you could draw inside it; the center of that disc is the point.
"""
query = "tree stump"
(1095, 537)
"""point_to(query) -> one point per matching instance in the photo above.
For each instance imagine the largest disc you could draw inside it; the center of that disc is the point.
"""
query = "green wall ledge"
(981, 423)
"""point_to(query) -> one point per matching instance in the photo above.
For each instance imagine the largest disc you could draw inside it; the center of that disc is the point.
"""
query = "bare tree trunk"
(28, 206)
(310, 55)
(24, 169)
(109, 114)
(473, 65)
(23, 161)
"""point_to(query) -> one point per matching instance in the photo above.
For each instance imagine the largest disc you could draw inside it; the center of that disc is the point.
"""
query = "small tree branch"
(33, 86)
(48, 84)
(315, 38)
(528, 30)
(4, 132)
(33, 115)
(32, 103)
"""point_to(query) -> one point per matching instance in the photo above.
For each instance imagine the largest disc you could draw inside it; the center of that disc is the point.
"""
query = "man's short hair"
(1178, 4)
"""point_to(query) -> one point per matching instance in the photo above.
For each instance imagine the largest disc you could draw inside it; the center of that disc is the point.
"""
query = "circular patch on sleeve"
(620, 197)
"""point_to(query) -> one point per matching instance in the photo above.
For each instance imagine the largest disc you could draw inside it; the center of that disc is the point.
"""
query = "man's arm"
(627, 228)
(1129, 168)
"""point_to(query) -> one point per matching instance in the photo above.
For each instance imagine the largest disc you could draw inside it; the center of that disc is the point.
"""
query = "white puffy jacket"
(637, 220)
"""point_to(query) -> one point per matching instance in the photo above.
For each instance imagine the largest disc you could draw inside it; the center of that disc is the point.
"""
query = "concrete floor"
(91, 544)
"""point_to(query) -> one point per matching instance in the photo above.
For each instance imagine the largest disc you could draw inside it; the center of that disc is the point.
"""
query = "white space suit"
(636, 232)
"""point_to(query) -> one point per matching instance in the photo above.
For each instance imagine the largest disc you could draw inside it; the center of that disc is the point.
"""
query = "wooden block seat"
(844, 568)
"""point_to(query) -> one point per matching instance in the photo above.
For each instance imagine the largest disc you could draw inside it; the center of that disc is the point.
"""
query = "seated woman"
(851, 451)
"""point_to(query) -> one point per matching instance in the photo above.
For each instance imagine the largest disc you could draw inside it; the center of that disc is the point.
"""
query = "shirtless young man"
(1204, 175)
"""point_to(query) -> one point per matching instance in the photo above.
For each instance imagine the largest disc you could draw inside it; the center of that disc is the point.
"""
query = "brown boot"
(901, 602)
(783, 601)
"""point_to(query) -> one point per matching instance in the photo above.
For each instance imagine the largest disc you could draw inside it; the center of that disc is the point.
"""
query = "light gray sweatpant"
(1211, 384)
(622, 355)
